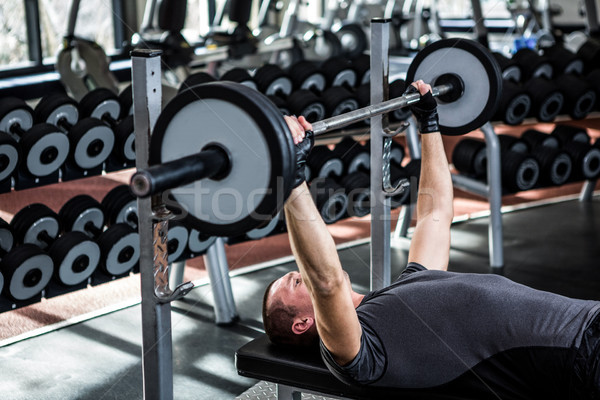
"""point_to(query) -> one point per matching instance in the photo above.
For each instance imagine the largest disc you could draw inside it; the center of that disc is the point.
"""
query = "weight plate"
(125, 139)
(591, 164)
(6, 237)
(15, 112)
(479, 72)
(261, 232)
(91, 143)
(27, 270)
(75, 258)
(120, 206)
(119, 249)
(9, 155)
(57, 108)
(45, 149)
(198, 243)
(34, 222)
(250, 128)
(177, 240)
(99, 103)
(79, 212)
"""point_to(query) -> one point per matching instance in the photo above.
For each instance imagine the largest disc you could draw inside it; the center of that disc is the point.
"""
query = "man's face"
(292, 291)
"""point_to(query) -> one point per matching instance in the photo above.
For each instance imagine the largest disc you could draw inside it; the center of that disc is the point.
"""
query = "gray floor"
(554, 248)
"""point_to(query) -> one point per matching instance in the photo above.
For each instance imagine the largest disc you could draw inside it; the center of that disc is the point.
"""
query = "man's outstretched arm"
(430, 244)
(321, 270)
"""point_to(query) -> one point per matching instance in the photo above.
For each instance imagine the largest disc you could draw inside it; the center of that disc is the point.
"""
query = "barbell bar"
(226, 154)
(214, 161)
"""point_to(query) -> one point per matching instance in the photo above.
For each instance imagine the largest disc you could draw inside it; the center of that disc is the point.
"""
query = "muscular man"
(432, 333)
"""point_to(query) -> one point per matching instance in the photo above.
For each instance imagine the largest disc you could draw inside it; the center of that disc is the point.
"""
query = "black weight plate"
(15, 112)
(120, 206)
(10, 153)
(6, 237)
(26, 270)
(251, 129)
(79, 211)
(119, 249)
(124, 148)
(75, 258)
(34, 220)
(57, 107)
(479, 72)
(45, 149)
(92, 142)
(126, 101)
(100, 102)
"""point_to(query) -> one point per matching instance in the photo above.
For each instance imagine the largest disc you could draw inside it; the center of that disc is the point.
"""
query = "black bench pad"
(300, 368)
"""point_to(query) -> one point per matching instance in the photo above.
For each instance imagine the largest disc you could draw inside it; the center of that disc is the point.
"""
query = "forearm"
(430, 244)
(311, 242)
(435, 197)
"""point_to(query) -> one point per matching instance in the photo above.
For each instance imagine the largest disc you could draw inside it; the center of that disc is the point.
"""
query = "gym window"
(32, 31)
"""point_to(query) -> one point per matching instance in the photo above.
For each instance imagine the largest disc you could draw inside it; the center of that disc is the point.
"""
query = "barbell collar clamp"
(212, 162)
(179, 292)
(342, 120)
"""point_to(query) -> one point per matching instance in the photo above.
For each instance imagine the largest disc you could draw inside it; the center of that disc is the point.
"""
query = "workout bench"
(297, 371)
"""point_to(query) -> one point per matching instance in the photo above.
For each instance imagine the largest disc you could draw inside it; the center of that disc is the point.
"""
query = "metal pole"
(157, 361)
(218, 273)
(591, 12)
(494, 178)
(380, 203)
(587, 190)
(481, 32)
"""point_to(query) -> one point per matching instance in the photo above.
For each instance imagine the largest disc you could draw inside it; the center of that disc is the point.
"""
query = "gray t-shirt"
(455, 331)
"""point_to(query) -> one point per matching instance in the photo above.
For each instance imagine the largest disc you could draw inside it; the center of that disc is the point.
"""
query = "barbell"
(226, 154)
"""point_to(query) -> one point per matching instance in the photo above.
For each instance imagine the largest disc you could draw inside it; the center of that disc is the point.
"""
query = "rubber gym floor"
(552, 246)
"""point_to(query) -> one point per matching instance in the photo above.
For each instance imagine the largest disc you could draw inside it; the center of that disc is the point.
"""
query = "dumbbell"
(511, 70)
(239, 75)
(520, 171)
(515, 104)
(74, 255)
(330, 198)
(354, 156)
(322, 163)
(120, 206)
(512, 143)
(593, 78)
(195, 79)
(546, 99)
(104, 105)
(469, 157)
(339, 71)
(357, 188)
(90, 140)
(580, 97)
(564, 133)
(563, 60)
(44, 148)
(576, 142)
(362, 66)
(535, 138)
(306, 75)
(555, 164)
(10, 154)
(272, 81)
(533, 65)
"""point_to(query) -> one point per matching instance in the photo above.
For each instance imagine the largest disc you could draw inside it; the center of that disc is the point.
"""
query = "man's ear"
(302, 324)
